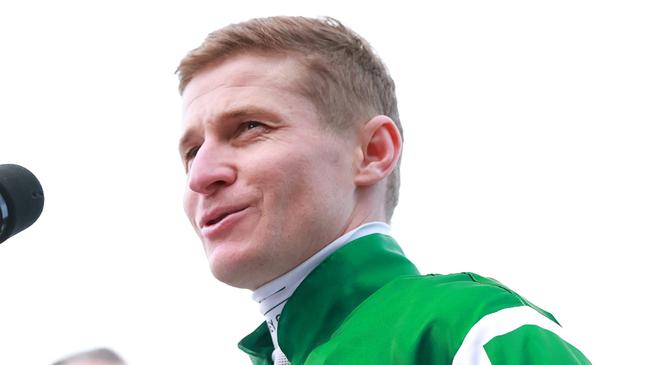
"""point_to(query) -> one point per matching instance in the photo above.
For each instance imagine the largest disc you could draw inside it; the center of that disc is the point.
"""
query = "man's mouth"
(220, 220)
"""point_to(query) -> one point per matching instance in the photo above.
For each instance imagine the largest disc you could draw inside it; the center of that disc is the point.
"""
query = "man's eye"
(191, 153)
(251, 124)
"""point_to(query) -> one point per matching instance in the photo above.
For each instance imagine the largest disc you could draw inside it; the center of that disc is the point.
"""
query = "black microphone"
(21, 200)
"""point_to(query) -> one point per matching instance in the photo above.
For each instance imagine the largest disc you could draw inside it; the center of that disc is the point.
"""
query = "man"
(100, 356)
(291, 144)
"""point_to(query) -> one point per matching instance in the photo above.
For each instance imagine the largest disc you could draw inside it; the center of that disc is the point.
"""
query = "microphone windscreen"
(22, 194)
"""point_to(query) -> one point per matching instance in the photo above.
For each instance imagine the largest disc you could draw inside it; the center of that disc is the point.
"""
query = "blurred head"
(290, 140)
(94, 357)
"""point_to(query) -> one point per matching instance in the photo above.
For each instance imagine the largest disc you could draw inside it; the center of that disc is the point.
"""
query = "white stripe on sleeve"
(504, 321)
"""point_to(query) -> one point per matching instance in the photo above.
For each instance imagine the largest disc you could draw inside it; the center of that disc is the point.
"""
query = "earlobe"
(381, 148)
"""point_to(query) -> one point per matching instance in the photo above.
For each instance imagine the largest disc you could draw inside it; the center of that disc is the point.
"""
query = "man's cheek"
(189, 205)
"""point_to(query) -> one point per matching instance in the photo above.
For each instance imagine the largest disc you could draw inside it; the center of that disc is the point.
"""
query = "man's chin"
(236, 269)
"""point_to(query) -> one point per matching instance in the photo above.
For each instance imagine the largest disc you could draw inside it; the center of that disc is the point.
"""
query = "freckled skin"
(296, 179)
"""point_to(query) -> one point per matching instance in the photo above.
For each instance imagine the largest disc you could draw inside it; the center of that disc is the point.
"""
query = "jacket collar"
(328, 295)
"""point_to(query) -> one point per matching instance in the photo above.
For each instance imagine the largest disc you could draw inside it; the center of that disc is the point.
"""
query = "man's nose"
(211, 170)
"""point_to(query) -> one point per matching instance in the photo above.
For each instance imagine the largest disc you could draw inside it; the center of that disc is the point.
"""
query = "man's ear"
(379, 150)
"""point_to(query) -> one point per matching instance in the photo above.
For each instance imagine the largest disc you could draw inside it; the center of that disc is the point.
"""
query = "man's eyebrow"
(246, 111)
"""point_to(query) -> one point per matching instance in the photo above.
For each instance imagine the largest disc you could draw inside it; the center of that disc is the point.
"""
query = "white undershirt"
(273, 296)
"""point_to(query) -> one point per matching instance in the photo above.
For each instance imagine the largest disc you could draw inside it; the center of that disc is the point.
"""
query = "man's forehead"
(245, 70)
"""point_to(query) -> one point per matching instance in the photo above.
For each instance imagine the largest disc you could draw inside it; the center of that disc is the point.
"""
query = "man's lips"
(214, 225)
(215, 216)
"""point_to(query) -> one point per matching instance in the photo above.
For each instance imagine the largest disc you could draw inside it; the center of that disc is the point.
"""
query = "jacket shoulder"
(425, 317)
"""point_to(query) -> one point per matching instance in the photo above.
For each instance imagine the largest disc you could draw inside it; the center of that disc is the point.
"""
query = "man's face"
(267, 186)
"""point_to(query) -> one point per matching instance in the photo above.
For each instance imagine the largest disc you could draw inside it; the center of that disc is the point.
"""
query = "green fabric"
(532, 345)
(334, 289)
(367, 304)
(258, 345)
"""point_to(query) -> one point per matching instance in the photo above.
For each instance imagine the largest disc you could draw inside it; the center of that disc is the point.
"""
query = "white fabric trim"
(273, 296)
(472, 352)
(279, 358)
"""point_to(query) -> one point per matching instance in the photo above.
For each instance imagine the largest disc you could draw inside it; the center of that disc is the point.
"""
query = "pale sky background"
(526, 159)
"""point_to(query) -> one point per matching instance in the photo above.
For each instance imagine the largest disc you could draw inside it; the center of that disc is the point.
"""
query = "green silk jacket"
(368, 304)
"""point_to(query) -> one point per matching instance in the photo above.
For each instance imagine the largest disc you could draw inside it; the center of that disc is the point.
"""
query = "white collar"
(273, 295)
